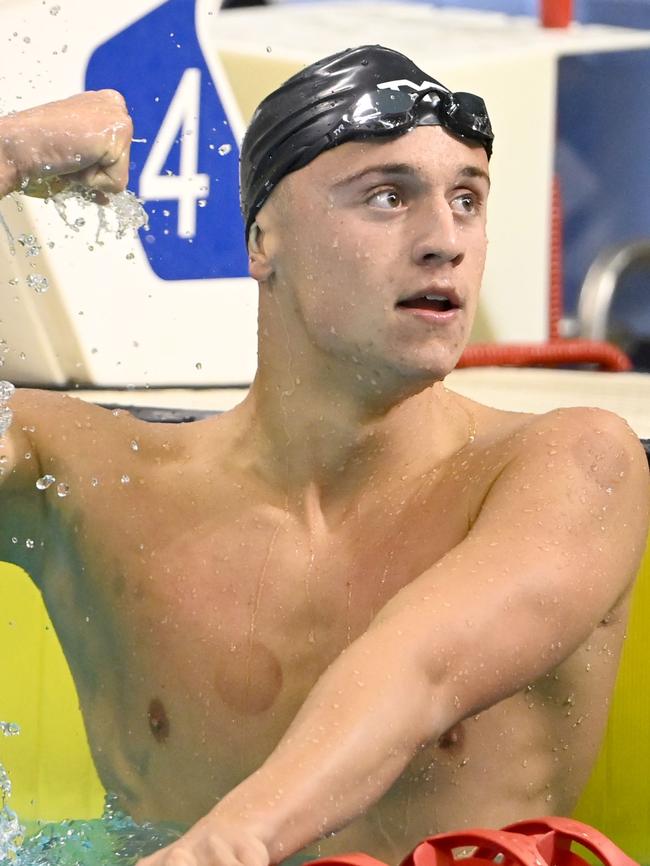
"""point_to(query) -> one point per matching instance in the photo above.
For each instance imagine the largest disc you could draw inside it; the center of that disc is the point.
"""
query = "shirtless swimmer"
(357, 601)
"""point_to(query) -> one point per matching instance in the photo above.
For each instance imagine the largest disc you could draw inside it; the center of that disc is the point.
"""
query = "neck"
(317, 434)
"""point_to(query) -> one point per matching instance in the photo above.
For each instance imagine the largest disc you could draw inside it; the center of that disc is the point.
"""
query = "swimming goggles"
(390, 112)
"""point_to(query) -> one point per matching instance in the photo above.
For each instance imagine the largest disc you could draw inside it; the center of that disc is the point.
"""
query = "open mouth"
(431, 301)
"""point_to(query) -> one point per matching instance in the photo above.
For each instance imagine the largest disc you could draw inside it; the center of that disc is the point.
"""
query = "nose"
(438, 238)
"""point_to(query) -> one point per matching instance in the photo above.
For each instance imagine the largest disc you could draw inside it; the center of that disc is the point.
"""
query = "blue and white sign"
(185, 157)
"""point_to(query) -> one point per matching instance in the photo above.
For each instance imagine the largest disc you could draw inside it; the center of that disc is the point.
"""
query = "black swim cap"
(359, 93)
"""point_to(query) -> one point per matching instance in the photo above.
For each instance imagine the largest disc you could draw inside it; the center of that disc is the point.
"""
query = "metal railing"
(601, 283)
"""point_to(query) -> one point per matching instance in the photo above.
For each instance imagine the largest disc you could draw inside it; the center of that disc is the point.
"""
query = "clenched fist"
(82, 140)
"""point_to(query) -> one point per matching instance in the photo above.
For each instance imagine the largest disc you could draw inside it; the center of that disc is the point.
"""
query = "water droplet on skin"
(62, 489)
(134, 445)
(224, 149)
(45, 481)
(125, 479)
(94, 482)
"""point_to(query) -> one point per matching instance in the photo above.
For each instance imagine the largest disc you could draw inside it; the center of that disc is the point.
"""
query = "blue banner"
(185, 160)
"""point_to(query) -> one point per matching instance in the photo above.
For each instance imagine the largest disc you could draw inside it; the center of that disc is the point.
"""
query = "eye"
(386, 199)
(467, 204)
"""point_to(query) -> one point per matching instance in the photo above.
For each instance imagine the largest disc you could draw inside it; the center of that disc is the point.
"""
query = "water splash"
(6, 391)
(11, 830)
(30, 245)
(123, 214)
(38, 282)
(112, 839)
(115, 838)
(6, 415)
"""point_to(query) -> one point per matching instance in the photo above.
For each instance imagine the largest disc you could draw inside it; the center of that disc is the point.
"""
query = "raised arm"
(83, 140)
(556, 545)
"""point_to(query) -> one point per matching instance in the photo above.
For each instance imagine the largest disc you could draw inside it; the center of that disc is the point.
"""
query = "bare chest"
(193, 632)
(264, 601)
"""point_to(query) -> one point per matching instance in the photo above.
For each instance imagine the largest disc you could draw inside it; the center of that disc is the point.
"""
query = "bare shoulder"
(34, 411)
(582, 461)
(590, 440)
(42, 426)
(587, 435)
(53, 432)
(68, 461)
(49, 423)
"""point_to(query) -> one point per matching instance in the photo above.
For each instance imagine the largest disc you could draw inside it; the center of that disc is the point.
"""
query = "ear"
(259, 266)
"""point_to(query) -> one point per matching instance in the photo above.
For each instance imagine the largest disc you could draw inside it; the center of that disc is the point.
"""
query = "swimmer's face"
(368, 225)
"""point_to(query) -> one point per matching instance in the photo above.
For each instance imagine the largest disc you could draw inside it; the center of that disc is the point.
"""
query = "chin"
(431, 369)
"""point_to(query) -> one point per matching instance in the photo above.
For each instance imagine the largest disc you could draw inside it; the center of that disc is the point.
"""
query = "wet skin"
(204, 583)
(196, 614)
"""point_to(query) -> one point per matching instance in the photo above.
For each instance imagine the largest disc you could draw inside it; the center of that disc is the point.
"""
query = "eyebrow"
(403, 169)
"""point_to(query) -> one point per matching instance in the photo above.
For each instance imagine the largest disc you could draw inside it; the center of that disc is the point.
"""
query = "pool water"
(114, 838)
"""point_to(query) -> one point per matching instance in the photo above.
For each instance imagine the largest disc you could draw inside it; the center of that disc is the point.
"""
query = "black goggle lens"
(386, 111)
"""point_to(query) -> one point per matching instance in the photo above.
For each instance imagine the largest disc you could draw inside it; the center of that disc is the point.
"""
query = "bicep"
(557, 543)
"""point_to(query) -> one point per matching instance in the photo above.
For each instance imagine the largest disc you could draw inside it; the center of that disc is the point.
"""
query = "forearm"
(8, 173)
(355, 734)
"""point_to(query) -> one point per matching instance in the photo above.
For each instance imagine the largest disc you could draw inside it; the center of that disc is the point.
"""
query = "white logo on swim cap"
(404, 82)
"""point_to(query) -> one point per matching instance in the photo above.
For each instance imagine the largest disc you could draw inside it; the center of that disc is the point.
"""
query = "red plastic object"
(556, 13)
(550, 354)
(540, 842)
(556, 288)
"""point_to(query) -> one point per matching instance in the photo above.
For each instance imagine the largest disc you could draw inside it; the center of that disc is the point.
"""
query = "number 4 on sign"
(186, 187)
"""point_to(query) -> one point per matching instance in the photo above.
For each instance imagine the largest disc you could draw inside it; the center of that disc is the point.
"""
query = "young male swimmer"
(357, 602)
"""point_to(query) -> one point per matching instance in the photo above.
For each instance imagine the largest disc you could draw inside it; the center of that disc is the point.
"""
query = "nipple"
(453, 738)
(158, 721)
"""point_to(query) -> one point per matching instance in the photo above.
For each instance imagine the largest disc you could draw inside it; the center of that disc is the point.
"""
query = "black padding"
(166, 416)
